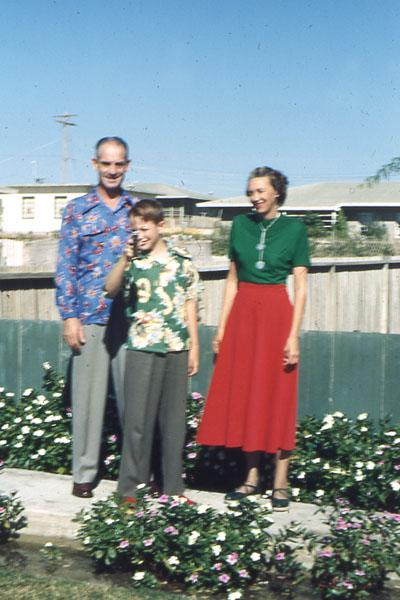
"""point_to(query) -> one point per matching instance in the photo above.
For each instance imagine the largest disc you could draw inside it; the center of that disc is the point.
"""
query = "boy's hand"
(193, 361)
(73, 334)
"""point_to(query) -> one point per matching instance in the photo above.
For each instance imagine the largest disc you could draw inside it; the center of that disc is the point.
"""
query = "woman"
(252, 401)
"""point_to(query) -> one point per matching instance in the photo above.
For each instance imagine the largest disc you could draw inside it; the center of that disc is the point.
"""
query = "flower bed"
(334, 455)
(168, 539)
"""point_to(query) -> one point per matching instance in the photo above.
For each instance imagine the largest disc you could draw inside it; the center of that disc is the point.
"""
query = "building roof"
(160, 190)
(326, 196)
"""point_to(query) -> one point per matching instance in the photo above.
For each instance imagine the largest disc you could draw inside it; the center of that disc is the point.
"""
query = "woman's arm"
(231, 286)
(193, 330)
(291, 351)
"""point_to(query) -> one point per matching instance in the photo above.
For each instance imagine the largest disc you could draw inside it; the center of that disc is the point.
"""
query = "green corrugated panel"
(315, 373)
(392, 376)
(10, 355)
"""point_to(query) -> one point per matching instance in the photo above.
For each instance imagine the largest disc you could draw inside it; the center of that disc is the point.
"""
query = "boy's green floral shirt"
(156, 291)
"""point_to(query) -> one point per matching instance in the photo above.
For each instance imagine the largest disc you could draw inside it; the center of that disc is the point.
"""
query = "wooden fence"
(344, 294)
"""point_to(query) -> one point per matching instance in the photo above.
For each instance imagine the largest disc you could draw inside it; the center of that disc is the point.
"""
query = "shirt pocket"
(96, 229)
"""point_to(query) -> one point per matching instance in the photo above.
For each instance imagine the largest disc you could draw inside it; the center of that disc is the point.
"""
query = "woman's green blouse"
(286, 246)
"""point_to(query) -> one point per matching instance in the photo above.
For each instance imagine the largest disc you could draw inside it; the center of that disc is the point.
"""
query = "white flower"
(86, 540)
(46, 366)
(256, 532)
(139, 575)
(10, 395)
(359, 477)
(202, 508)
(173, 560)
(27, 392)
(1, 390)
(301, 475)
(319, 493)
(307, 435)
(396, 441)
(141, 486)
(370, 465)
(57, 394)
(38, 433)
(37, 421)
(2, 404)
(3, 442)
(18, 445)
(216, 549)
(17, 420)
(193, 538)
(390, 433)
(338, 414)
(326, 466)
(42, 452)
(395, 485)
(234, 595)
(5, 426)
(295, 492)
(25, 429)
(255, 556)
(362, 417)
(29, 417)
(48, 545)
(316, 460)
(359, 464)
(109, 521)
(328, 421)
(221, 537)
(364, 429)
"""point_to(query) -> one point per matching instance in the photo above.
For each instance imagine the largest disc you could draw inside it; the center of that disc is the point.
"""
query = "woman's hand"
(291, 351)
(216, 343)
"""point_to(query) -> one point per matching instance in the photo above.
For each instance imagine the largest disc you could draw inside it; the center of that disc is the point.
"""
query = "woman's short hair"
(277, 179)
(148, 210)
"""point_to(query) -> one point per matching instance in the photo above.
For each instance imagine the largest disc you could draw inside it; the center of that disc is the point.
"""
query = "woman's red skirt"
(252, 400)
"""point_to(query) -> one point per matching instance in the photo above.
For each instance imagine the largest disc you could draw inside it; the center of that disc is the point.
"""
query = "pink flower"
(196, 396)
(2, 510)
(232, 558)
(139, 514)
(224, 578)
(163, 499)
(123, 544)
(193, 577)
(280, 556)
(326, 554)
(218, 566)
(171, 530)
(113, 438)
(243, 573)
(365, 541)
(347, 584)
(397, 467)
(192, 455)
(359, 572)
(175, 503)
(148, 542)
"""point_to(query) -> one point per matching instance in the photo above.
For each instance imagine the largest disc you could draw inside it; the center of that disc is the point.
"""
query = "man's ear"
(95, 164)
(161, 224)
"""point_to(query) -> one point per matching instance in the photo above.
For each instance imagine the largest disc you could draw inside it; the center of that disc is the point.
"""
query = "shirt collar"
(93, 199)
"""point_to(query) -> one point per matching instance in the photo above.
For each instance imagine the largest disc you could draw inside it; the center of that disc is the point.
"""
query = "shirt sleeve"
(192, 281)
(67, 264)
(301, 256)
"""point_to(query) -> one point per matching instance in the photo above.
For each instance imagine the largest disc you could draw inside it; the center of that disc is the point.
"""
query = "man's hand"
(73, 334)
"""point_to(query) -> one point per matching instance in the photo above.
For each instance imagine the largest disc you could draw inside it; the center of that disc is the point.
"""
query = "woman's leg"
(252, 471)
(281, 473)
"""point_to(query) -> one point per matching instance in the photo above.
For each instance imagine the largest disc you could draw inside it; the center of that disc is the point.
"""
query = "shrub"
(169, 537)
(11, 518)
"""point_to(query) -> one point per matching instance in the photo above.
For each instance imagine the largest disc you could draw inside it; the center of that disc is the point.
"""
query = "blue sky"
(203, 91)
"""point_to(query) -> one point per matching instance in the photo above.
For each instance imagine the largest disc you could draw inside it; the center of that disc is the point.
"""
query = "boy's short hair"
(148, 210)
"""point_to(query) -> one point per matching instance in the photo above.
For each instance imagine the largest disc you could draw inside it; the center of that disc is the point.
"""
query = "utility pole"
(65, 121)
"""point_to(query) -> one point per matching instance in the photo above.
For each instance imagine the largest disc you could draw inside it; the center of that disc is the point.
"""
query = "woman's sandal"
(255, 490)
(280, 504)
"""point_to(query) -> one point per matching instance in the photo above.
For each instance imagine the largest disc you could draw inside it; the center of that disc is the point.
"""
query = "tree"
(315, 225)
(391, 168)
(341, 227)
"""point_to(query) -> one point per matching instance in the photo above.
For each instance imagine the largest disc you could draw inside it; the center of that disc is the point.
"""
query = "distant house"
(360, 204)
(38, 208)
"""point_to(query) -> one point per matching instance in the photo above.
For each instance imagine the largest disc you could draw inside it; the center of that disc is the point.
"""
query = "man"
(94, 232)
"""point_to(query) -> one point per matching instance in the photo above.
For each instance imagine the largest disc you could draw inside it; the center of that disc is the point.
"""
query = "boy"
(162, 348)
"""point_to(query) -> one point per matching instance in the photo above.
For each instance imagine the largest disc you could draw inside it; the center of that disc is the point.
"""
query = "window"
(60, 203)
(174, 212)
(28, 207)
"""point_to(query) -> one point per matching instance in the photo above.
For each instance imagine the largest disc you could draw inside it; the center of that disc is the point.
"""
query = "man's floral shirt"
(156, 291)
(92, 238)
